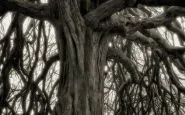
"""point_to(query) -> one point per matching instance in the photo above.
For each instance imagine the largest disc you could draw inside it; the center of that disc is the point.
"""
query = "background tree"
(53, 61)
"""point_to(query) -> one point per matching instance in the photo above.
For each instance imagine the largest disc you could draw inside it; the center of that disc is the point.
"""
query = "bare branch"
(163, 43)
(130, 25)
(130, 66)
(39, 11)
(110, 7)
(106, 10)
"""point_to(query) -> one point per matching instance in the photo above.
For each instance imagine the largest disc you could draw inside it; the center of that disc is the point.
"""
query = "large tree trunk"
(81, 84)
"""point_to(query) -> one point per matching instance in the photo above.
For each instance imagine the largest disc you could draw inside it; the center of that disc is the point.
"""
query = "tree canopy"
(92, 57)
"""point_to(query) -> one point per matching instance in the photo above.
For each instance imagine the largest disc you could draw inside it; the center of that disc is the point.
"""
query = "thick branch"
(163, 43)
(129, 25)
(162, 2)
(127, 63)
(174, 28)
(173, 77)
(39, 11)
(106, 10)
(110, 7)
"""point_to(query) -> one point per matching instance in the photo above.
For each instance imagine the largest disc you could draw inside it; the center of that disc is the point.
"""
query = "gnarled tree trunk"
(81, 85)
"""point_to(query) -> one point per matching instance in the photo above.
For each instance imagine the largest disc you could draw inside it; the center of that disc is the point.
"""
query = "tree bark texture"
(79, 42)
(81, 85)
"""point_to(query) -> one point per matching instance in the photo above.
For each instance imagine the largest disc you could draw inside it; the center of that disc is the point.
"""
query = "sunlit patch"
(110, 44)
(149, 52)
(44, 1)
(106, 68)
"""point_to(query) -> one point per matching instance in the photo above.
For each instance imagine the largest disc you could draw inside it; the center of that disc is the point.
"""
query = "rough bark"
(81, 82)
(81, 85)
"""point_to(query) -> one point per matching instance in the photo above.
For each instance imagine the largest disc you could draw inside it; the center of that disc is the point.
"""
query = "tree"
(83, 30)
